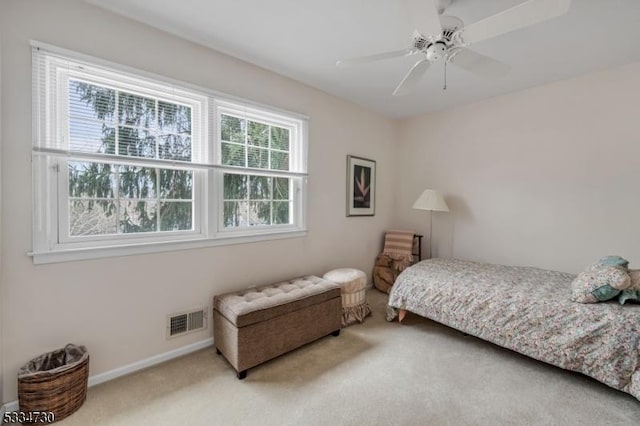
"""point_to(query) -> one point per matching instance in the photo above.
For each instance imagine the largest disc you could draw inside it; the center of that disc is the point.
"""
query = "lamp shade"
(431, 200)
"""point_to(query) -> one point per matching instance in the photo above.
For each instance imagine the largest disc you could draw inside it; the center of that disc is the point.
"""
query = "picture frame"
(361, 186)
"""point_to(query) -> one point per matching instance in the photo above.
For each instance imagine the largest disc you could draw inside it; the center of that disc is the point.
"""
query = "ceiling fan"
(439, 37)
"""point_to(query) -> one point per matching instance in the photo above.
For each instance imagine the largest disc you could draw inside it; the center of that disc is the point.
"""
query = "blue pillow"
(629, 295)
(614, 261)
(606, 292)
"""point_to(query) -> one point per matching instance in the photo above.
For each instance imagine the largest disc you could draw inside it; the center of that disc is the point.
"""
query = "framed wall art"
(361, 186)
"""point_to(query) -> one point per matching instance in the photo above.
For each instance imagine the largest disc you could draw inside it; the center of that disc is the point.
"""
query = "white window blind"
(123, 158)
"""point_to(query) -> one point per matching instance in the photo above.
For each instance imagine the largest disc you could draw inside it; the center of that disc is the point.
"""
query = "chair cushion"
(263, 303)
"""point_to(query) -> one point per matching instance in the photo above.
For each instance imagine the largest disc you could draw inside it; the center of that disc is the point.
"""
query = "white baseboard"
(133, 367)
(148, 362)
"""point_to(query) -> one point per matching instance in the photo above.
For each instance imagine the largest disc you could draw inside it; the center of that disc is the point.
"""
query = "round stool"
(353, 283)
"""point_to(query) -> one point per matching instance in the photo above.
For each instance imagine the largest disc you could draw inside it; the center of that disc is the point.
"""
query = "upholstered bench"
(255, 325)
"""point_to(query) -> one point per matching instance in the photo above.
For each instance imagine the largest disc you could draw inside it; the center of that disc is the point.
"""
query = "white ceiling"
(302, 39)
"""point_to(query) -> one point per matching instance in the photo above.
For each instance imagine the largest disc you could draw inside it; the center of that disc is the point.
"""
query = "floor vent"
(186, 322)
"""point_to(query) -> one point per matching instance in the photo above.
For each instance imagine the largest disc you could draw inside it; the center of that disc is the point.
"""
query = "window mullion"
(269, 149)
(117, 197)
(156, 133)
(247, 208)
(246, 142)
(158, 199)
(116, 118)
(246, 164)
(271, 200)
(62, 200)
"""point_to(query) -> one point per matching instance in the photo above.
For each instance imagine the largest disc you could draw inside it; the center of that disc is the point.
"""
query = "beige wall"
(117, 306)
(545, 177)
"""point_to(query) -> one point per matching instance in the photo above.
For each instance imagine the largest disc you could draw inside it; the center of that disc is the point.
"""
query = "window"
(111, 198)
(258, 188)
(125, 163)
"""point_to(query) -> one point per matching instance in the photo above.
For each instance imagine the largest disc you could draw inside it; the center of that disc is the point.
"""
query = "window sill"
(75, 254)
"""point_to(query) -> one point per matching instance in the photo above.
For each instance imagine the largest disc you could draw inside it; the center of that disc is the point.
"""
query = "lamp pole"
(430, 235)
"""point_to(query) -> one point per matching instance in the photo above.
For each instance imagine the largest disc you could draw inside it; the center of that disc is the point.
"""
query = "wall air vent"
(186, 322)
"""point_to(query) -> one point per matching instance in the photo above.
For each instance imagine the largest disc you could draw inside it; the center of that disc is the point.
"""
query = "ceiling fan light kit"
(436, 51)
(446, 38)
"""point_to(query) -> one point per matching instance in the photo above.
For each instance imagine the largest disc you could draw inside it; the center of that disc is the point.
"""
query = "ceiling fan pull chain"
(445, 75)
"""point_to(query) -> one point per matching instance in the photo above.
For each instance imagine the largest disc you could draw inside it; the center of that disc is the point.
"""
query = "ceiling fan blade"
(410, 81)
(424, 16)
(479, 64)
(373, 58)
(523, 15)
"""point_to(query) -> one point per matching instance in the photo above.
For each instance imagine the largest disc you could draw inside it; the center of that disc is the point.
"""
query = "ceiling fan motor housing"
(436, 51)
(437, 47)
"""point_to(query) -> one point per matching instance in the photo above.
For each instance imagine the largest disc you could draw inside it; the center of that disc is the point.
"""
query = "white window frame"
(198, 105)
(50, 221)
(297, 162)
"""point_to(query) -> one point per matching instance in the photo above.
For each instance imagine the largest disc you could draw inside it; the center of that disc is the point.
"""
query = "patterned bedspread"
(528, 310)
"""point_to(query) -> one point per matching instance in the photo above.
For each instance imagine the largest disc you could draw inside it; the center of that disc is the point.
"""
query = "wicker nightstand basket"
(55, 382)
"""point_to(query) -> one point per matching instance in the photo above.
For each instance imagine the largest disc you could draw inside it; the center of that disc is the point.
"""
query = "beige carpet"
(419, 373)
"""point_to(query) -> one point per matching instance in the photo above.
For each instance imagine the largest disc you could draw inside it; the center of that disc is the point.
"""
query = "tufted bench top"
(259, 304)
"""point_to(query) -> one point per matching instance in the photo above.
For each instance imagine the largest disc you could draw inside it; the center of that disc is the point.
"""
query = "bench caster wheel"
(218, 351)
(242, 374)
(336, 333)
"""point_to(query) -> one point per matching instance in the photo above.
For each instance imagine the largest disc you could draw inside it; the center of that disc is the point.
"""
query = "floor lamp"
(434, 202)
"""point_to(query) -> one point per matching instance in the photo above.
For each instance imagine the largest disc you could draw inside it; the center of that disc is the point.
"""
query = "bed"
(528, 310)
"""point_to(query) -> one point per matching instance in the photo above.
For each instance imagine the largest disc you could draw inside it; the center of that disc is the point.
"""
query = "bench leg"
(218, 351)
(241, 374)
(336, 333)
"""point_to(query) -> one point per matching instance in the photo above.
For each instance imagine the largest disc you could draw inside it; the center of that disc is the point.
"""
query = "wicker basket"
(55, 382)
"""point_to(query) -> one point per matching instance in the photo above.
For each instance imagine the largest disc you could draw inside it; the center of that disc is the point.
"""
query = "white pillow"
(635, 279)
(599, 283)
